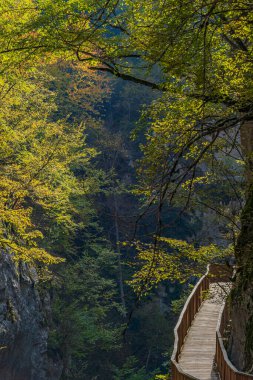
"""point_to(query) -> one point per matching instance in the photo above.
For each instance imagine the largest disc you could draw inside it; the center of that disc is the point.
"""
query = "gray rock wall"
(23, 326)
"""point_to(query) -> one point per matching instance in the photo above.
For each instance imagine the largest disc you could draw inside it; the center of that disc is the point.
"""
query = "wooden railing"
(214, 273)
(225, 368)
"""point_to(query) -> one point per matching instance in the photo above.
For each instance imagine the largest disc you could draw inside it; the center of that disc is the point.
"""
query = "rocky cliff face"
(241, 341)
(23, 326)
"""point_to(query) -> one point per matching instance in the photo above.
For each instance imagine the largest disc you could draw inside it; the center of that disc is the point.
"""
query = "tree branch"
(130, 78)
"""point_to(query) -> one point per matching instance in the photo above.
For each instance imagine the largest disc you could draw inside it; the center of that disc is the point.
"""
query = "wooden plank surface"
(197, 355)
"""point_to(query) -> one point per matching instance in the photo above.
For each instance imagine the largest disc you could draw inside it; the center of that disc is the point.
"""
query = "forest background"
(120, 192)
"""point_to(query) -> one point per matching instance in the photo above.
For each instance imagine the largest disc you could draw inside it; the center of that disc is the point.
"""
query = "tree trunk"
(241, 343)
(121, 281)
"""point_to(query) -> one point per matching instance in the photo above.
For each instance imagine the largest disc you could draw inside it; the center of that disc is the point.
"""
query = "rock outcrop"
(23, 324)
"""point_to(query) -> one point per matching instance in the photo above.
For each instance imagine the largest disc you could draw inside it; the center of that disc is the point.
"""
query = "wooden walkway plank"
(198, 351)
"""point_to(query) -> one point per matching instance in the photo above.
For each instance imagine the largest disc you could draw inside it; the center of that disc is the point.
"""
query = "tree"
(86, 329)
(205, 52)
(36, 155)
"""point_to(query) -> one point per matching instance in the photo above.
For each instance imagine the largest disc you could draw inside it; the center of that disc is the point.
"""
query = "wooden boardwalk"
(200, 330)
(198, 352)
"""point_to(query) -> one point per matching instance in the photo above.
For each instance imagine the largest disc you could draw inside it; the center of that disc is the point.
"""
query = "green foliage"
(178, 304)
(129, 371)
(37, 156)
(85, 311)
(173, 260)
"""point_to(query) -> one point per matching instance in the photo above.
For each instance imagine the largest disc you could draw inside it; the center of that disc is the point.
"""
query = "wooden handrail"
(226, 369)
(214, 273)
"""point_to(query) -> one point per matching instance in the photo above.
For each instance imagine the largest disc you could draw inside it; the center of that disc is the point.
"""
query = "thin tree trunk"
(121, 281)
(148, 357)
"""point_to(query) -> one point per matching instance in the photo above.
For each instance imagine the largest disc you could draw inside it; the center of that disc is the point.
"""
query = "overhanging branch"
(129, 78)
